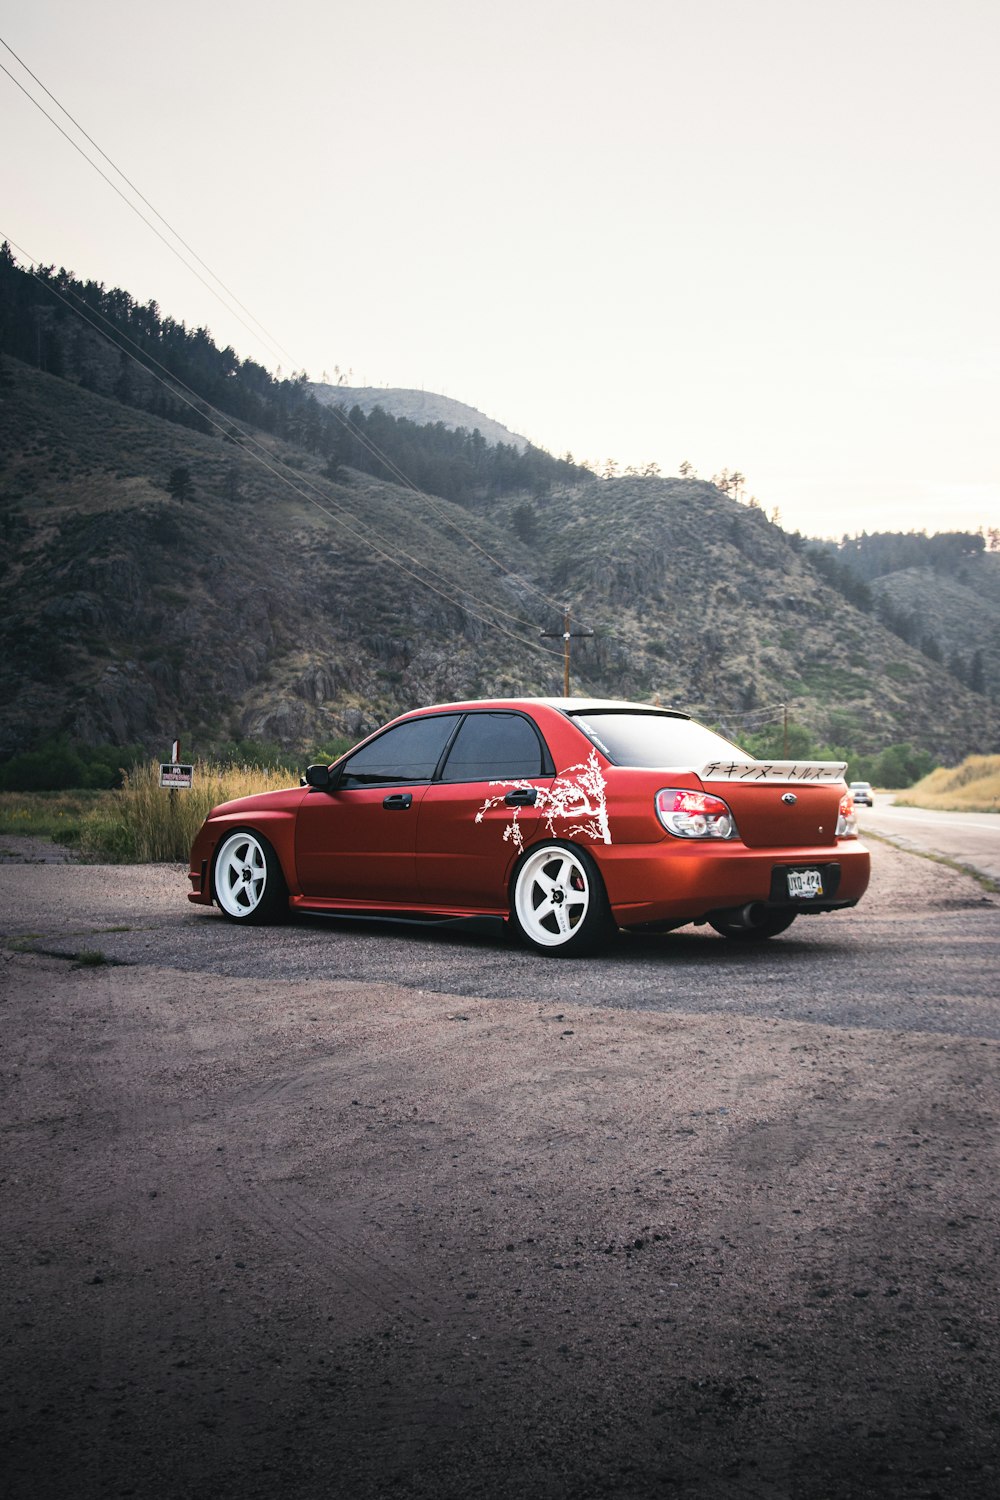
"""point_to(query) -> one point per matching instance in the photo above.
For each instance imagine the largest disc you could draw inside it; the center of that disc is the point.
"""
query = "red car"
(563, 817)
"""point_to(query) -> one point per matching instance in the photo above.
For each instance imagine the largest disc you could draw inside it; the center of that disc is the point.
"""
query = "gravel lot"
(344, 1210)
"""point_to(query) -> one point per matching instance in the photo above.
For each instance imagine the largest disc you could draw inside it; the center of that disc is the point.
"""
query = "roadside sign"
(173, 775)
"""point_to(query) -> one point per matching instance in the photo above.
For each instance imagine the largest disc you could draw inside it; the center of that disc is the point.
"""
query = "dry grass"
(143, 823)
(974, 786)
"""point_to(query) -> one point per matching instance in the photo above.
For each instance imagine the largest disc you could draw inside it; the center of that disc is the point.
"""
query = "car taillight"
(847, 818)
(694, 815)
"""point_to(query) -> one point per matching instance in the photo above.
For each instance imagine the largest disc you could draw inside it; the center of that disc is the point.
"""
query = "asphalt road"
(916, 954)
(343, 1212)
(971, 839)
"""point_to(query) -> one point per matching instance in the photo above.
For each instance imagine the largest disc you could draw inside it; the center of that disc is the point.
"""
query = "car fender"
(277, 826)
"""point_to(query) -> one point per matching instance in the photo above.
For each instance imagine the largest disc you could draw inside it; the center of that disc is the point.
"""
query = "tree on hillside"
(180, 484)
(116, 336)
(525, 523)
(977, 673)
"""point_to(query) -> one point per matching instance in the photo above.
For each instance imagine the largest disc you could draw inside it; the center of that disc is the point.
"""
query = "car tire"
(247, 879)
(558, 903)
(759, 926)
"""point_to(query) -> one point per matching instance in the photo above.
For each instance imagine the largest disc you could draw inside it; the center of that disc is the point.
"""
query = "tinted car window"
(655, 740)
(494, 747)
(410, 752)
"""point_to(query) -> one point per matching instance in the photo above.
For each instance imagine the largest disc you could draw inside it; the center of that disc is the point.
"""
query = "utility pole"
(567, 635)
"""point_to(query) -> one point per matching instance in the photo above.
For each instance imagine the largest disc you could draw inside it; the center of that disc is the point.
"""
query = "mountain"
(956, 617)
(422, 407)
(161, 581)
(940, 593)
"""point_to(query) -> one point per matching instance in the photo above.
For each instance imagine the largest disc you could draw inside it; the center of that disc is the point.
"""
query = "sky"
(760, 235)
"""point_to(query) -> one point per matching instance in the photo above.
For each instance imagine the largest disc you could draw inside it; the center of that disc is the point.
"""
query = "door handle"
(398, 801)
(522, 796)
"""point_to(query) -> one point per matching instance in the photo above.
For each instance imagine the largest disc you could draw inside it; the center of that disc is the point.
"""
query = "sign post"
(173, 773)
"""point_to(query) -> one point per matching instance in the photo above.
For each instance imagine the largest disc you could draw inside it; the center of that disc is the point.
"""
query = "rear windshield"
(654, 740)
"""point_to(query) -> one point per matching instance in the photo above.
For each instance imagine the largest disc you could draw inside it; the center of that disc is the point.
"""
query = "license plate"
(804, 884)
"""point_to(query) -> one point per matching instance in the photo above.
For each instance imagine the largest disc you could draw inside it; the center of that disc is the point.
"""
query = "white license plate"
(804, 884)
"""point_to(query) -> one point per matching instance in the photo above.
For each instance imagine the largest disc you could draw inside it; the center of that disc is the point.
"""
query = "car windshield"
(653, 740)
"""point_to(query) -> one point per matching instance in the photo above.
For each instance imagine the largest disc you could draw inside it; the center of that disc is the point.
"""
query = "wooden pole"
(567, 635)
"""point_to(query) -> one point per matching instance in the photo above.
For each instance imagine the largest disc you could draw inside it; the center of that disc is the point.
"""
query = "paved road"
(973, 839)
(292, 1214)
(917, 954)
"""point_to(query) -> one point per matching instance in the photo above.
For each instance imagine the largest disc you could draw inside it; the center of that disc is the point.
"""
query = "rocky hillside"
(955, 616)
(424, 407)
(271, 601)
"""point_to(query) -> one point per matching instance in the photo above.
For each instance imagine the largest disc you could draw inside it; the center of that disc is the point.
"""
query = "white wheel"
(249, 885)
(559, 903)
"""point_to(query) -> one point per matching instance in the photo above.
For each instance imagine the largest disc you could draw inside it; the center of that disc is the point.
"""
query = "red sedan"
(563, 817)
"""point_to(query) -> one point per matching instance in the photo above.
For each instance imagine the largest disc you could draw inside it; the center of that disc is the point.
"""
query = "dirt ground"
(324, 1238)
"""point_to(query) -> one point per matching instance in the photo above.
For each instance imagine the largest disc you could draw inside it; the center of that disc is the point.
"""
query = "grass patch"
(48, 815)
(90, 958)
(986, 881)
(834, 682)
(974, 786)
(142, 823)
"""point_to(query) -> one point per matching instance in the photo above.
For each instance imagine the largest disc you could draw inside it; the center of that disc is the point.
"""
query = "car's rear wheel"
(249, 884)
(751, 924)
(558, 901)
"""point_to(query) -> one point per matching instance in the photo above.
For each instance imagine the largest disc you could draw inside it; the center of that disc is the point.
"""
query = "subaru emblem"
(789, 798)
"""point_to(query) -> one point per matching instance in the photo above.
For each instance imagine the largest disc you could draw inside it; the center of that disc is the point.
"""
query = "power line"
(114, 187)
(203, 408)
(269, 337)
(201, 405)
(383, 458)
(362, 438)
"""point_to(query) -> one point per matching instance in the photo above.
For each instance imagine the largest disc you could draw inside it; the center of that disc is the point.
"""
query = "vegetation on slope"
(113, 345)
(973, 786)
(162, 580)
(940, 594)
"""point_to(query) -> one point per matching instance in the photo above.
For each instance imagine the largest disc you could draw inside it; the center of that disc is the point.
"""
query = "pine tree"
(180, 484)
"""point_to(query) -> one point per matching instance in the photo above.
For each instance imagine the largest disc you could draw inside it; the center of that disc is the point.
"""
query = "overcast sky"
(754, 234)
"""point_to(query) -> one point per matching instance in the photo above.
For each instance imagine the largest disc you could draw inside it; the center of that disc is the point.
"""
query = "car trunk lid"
(784, 804)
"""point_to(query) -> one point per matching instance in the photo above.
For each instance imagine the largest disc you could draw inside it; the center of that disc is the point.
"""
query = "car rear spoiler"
(826, 772)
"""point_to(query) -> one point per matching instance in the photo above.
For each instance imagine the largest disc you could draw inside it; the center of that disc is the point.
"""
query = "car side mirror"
(322, 778)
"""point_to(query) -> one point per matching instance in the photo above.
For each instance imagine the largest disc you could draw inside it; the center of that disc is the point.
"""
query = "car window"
(409, 752)
(655, 740)
(494, 747)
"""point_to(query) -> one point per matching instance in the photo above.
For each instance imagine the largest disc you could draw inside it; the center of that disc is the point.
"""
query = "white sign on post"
(173, 775)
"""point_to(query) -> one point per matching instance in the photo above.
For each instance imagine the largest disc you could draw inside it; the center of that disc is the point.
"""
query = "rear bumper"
(680, 883)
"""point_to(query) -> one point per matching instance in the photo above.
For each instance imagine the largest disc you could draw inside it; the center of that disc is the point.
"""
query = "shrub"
(57, 766)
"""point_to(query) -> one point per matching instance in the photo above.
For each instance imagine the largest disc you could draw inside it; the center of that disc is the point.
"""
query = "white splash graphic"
(579, 794)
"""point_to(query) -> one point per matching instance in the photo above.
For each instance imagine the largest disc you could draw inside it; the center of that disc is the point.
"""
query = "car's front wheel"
(249, 885)
(752, 924)
(558, 901)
